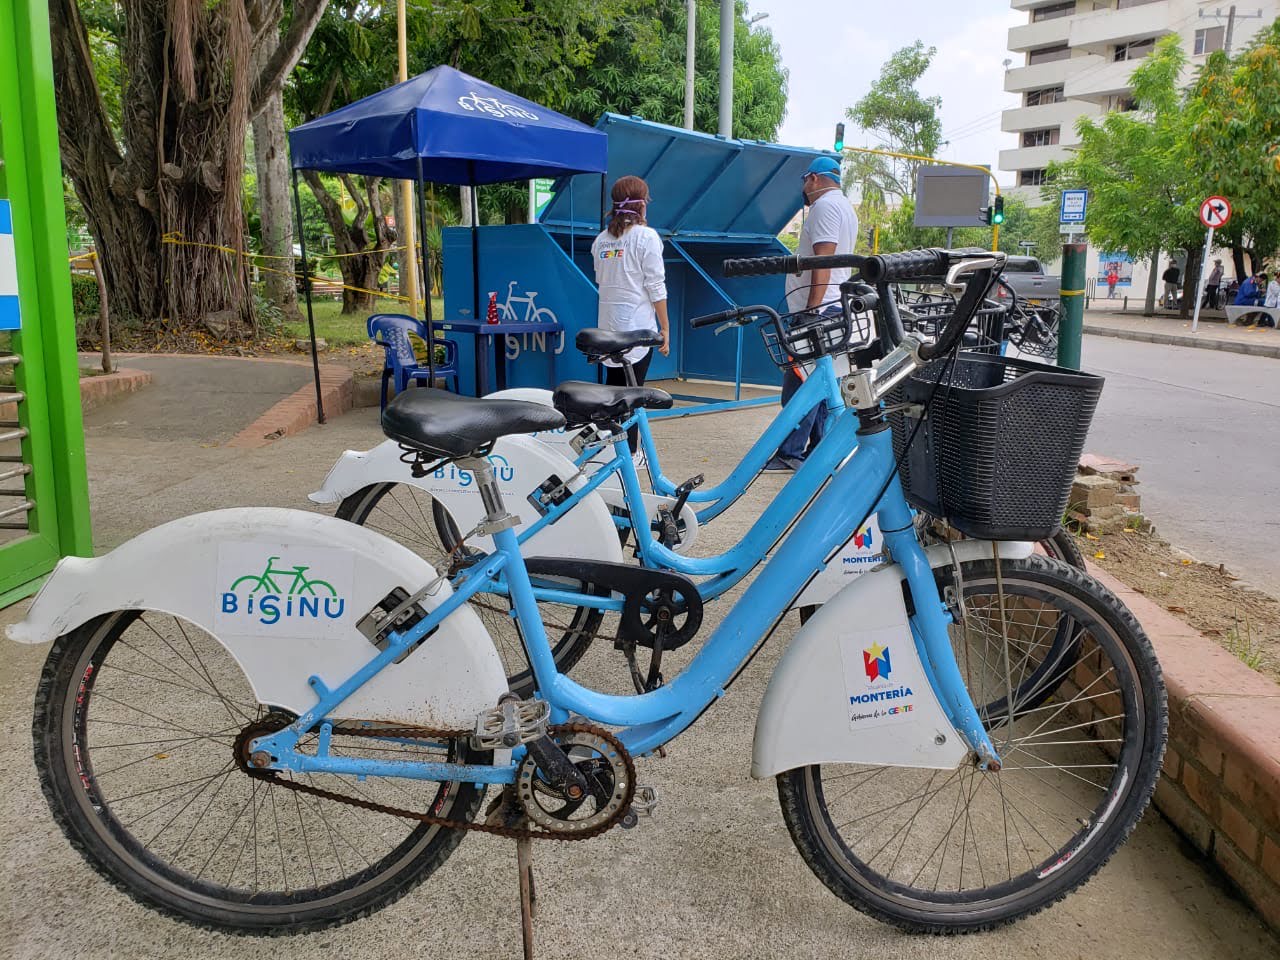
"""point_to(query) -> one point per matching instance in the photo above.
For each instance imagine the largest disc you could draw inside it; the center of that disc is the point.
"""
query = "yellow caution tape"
(1072, 293)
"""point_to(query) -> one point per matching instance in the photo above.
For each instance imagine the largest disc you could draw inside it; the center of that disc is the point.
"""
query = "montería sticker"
(283, 591)
(882, 677)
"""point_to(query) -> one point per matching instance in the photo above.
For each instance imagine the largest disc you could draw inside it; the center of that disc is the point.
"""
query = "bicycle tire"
(103, 795)
(1059, 868)
(574, 637)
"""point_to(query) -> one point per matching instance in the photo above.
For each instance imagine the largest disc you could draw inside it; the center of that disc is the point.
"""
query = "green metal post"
(1071, 327)
(48, 375)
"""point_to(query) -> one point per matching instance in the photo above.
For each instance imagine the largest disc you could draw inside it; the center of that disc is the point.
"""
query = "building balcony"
(1097, 78)
(1046, 33)
(1039, 75)
(1033, 158)
(1031, 4)
(1062, 115)
(1105, 28)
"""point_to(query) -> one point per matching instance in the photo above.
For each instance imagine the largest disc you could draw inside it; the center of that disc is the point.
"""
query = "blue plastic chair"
(391, 332)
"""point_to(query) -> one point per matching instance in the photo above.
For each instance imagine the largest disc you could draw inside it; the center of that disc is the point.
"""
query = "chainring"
(610, 776)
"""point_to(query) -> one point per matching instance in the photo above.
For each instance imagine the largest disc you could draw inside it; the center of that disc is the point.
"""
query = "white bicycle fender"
(850, 687)
(864, 553)
(520, 464)
(205, 569)
(611, 489)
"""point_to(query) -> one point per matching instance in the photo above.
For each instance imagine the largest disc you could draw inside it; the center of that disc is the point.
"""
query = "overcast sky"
(834, 49)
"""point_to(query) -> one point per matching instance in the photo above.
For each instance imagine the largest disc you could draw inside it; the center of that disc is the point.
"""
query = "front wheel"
(139, 729)
(952, 851)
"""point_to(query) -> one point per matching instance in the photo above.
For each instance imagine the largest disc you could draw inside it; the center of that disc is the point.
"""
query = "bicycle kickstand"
(528, 896)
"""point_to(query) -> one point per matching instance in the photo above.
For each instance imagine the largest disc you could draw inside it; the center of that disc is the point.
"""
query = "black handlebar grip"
(759, 266)
(712, 319)
(911, 265)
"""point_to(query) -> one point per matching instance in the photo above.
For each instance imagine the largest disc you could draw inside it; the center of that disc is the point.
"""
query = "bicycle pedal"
(643, 804)
(511, 723)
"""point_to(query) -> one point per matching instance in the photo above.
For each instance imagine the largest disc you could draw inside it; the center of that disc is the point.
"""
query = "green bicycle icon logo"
(282, 594)
(297, 579)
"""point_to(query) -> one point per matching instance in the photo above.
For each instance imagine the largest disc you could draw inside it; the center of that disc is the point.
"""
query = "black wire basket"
(997, 451)
(799, 339)
(925, 313)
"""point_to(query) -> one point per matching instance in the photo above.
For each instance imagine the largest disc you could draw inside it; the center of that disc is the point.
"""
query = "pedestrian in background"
(1112, 279)
(1211, 286)
(633, 285)
(830, 228)
(1272, 300)
(1170, 278)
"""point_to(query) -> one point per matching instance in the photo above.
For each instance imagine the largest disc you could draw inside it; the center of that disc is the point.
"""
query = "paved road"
(1204, 427)
(713, 875)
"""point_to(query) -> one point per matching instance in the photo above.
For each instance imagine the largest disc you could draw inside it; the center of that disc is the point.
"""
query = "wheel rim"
(412, 517)
(147, 730)
(960, 840)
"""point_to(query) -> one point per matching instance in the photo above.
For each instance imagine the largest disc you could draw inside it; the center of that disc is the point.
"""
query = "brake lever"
(726, 326)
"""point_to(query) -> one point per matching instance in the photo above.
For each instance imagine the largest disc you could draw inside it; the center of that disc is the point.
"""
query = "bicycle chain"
(428, 733)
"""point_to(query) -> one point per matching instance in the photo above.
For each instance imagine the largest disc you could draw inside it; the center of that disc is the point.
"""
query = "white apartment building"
(1072, 58)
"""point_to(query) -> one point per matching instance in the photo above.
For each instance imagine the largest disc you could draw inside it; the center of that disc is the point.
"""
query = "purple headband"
(620, 204)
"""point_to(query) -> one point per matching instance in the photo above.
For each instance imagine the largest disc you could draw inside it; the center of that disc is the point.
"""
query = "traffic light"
(993, 215)
(839, 137)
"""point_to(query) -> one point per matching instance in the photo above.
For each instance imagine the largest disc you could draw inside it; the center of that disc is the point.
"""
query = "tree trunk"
(1153, 278)
(104, 315)
(163, 200)
(1237, 261)
(360, 265)
(1190, 281)
(271, 160)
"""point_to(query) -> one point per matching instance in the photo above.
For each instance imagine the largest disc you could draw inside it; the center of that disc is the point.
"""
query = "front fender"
(206, 569)
(851, 688)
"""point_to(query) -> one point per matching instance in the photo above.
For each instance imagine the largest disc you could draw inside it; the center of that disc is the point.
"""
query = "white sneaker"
(639, 460)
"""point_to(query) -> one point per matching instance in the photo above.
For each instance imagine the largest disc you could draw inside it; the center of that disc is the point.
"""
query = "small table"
(492, 332)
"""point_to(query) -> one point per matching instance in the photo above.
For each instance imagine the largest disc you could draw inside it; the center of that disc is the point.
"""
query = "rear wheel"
(138, 719)
(948, 851)
(412, 517)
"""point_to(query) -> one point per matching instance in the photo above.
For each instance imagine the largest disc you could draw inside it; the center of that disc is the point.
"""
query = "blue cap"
(825, 166)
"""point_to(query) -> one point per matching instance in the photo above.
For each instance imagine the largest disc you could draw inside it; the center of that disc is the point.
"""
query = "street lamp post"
(727, 13)
(691, 15)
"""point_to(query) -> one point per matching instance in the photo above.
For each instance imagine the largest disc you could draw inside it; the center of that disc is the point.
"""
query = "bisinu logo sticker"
(282, 591)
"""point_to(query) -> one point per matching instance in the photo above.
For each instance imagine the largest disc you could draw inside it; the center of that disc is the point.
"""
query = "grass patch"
(345, 331)
(1241, 644)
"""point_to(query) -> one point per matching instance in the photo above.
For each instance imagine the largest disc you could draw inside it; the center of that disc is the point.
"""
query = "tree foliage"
(638, 68)
(901, 120)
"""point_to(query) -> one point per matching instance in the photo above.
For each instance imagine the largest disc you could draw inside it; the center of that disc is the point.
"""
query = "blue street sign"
(1073, 206)
(8, 271)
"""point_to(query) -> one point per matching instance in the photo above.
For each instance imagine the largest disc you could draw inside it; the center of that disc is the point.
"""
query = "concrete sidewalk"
(1166, 327)
(712, 875)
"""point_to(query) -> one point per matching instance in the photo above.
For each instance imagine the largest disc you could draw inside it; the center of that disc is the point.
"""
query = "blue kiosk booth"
(712, 198)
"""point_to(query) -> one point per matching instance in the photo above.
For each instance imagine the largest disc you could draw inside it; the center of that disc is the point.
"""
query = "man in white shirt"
(830, 227)
(1272, 298)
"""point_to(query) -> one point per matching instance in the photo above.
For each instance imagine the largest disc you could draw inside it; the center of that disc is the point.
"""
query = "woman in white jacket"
(633, 288)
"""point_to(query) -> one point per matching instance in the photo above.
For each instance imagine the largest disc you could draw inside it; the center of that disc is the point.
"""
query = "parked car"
(1027, 277)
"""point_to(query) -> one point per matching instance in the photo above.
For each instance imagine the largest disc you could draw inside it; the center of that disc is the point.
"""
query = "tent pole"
(475, 243)
(426, 275)
(306, 288)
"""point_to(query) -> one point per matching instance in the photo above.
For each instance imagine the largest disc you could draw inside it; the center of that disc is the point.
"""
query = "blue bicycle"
(422, 522)
(944, 761)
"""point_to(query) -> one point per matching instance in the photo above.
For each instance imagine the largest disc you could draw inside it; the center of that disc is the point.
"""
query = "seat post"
(496, 516)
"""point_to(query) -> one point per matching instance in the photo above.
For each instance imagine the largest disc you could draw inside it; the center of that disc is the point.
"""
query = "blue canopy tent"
(442, 126)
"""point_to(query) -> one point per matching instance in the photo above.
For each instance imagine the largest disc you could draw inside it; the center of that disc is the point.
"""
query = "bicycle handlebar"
(736, 315)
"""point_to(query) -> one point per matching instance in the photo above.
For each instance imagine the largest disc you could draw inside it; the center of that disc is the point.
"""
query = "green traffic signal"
(997, 212)
(839, 137)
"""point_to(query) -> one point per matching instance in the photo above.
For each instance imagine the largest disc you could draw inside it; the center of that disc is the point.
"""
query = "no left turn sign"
(1215, 212)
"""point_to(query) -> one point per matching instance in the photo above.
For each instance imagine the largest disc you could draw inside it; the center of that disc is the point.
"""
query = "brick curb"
(297, 411)
(1187, 340)
(1221, 782)
(95, 391)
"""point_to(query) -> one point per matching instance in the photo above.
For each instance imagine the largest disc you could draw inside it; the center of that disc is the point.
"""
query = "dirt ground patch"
(1244, 621)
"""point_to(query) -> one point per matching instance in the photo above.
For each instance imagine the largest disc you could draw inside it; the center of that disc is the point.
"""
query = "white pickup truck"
(1027, 278)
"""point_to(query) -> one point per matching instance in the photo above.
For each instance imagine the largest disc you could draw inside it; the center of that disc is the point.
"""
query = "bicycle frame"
(652, 719)
(726, 569)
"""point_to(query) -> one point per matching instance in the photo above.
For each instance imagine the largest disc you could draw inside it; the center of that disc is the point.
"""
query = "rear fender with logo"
(520, 465)
(283, 591)
(851, 688)
(611, 489)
